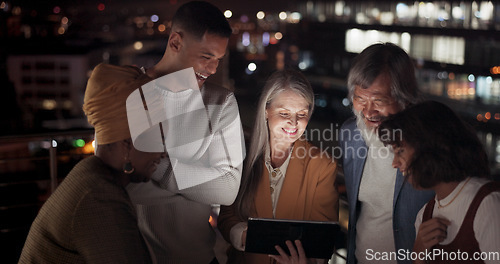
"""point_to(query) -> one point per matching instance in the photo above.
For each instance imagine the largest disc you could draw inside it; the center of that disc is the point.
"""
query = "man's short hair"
(385, 58)
(199, 17)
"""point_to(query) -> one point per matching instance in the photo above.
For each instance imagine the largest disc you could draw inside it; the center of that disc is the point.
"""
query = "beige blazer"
(308, 193)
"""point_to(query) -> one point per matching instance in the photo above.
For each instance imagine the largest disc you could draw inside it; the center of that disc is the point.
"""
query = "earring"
(128, 168)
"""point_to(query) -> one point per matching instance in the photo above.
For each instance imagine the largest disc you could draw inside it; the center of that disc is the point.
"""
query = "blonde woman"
(284, 176)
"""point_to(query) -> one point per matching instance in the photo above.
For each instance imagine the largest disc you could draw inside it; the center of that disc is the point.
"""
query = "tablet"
(318, 238)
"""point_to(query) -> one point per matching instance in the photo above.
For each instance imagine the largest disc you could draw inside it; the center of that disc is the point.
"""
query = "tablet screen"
(317, 237)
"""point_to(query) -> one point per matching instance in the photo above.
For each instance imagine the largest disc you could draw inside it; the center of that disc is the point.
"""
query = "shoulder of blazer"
(350, 123)
(349, 134)
(347, 129)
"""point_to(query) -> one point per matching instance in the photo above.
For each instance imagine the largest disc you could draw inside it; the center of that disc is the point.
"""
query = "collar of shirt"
(280, 171)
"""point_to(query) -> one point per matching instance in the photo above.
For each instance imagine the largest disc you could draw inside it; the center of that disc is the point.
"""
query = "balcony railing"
(31, 167)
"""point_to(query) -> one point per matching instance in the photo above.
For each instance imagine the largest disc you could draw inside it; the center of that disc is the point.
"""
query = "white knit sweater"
(173, 220)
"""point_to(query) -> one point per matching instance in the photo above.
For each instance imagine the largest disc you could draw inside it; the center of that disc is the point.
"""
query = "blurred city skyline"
(51, 46)
(238, 6)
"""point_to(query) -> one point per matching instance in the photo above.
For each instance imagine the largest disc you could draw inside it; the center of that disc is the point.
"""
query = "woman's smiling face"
(287, 117)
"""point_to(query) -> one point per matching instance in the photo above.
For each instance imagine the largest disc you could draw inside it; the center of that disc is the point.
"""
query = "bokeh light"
(138, 45)
(261, 15)
(283, 15)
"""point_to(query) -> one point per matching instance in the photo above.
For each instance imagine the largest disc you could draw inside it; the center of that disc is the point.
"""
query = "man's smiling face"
(203, 55)
(374, 103)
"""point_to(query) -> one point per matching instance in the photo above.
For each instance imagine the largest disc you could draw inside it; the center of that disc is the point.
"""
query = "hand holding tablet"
(317, 238)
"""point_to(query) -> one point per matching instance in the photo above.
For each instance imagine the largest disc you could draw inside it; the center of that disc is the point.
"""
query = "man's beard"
(369, 134)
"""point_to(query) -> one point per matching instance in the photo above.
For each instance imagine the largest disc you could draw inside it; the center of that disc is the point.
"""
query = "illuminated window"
(448, 50)
(357, 40)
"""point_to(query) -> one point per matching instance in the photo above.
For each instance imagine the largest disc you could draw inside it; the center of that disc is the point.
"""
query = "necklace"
(454, 197)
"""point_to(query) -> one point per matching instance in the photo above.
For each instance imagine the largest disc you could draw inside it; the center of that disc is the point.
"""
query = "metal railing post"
(53, 165)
